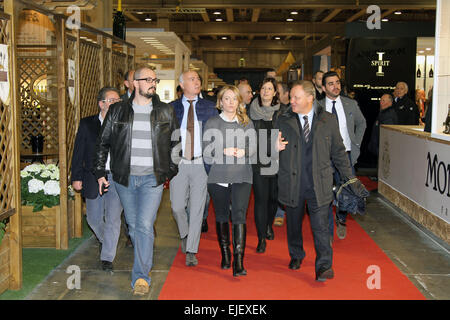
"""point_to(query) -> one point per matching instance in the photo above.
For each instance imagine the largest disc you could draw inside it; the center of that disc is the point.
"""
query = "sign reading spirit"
(380, 63)
(374, 66)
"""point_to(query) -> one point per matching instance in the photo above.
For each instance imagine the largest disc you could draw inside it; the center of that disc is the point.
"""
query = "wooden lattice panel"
(71, 112)
(90, 82)
(39, 109)
(106, 67)
(119, 67)
(6, 145)
(130, 63)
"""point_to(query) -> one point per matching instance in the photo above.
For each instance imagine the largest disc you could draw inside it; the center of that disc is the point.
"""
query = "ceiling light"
(385, 20)
(139, 12)
(277, 38)
(428, 49)
(224, 38)
(397, 12)
(421, 51)
(216, 12)
(148, 18)
(294, 12)
(218, 19)
(289, 19)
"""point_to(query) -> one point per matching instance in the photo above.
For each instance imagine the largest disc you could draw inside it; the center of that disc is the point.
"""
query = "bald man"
(407, 110)
(246, 93)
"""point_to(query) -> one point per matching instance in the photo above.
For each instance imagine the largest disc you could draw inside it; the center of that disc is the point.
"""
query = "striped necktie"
(306, 130)
(189, 147)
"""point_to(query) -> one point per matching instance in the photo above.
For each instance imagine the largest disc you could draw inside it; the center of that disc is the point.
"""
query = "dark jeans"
(319, 225)
(266, 202)
(238, 194)
(340, 215)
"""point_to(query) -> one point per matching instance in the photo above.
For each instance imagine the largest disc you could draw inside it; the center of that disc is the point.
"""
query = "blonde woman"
(229, 144)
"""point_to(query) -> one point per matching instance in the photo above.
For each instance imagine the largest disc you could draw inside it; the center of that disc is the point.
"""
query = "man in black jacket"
(137, 134)
(309, 141)
(407, 111)
(102, 212)
(387, 115)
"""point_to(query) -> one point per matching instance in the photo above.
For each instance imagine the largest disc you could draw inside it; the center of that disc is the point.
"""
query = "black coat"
(386, 116)
(115, 138)
(327, 147)
(407, 111)
(83, 156)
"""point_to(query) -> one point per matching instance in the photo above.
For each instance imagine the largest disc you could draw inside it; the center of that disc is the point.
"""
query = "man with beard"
(352, 126)
(188, 189)
(137, 134)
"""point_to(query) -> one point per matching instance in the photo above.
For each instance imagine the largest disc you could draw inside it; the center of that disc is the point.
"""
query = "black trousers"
(265, 189)
(238, 194)
(319, 225)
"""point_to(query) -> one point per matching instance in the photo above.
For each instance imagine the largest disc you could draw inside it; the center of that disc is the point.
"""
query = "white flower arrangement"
(40, 186)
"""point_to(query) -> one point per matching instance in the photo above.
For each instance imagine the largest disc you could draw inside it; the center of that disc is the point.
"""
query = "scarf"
(258, 112)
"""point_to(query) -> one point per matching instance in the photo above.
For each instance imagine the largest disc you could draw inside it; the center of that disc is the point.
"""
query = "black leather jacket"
(115, 137)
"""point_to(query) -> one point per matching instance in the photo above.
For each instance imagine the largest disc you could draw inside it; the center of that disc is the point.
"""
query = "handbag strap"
(344, 185)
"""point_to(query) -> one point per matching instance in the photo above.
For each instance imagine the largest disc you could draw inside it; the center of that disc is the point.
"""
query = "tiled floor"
(418, 255)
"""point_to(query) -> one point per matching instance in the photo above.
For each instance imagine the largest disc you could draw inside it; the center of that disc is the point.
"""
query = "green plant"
(40, 186)
(2, 230)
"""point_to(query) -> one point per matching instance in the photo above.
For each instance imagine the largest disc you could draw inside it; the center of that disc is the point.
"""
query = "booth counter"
(414, 174)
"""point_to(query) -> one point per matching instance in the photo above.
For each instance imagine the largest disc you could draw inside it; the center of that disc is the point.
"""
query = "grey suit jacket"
(356, 124)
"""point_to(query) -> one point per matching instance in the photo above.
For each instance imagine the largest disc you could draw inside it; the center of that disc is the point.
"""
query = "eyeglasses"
(112, 100)
(149, 80)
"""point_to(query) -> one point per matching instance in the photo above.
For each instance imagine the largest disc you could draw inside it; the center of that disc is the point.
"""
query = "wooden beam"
(13, 8)
(230, 17)
(387, 12)
(205, 16)
(255, 14)
(62, 235)
(131, 16)
(332, 15)
(357, 15)
(276, 4)
(78, 214)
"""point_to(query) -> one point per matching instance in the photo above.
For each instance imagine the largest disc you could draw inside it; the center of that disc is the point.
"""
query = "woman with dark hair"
(227, 161)
(263, 112)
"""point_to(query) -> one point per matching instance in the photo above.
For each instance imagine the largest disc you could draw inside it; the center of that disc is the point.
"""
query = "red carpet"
(270, 279)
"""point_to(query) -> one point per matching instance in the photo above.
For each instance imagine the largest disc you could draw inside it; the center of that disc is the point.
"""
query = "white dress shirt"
(107, 161)
(342, 120)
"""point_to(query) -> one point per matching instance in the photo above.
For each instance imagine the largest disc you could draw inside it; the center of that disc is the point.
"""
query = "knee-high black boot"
(223, 236)
(239, 236)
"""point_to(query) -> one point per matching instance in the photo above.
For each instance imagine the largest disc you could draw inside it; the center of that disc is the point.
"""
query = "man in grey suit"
(352, 126)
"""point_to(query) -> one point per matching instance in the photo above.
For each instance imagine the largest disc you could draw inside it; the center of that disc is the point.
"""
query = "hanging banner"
(4, 77)
(71, 80)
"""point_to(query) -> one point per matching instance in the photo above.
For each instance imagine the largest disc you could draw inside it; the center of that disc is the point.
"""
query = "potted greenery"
(40, 191)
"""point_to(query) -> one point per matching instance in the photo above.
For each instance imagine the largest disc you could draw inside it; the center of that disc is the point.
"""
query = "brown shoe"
(140, 287)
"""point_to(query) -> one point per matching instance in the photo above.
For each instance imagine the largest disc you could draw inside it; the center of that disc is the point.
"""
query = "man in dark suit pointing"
(103, 212)
(309, 142)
